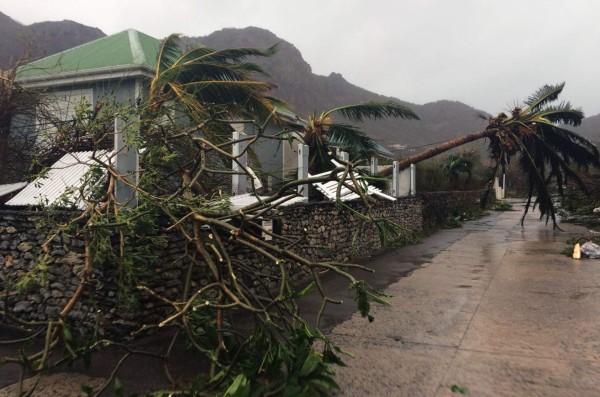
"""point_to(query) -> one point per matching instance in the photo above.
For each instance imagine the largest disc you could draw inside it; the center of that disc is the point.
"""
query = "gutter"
(86, 76)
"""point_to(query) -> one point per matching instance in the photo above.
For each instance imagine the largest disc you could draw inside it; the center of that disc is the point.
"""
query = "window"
(60, 109)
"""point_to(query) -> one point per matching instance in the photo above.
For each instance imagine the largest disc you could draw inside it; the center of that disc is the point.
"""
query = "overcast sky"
(489, 54)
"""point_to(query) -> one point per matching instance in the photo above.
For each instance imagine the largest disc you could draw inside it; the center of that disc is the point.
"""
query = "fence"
(326, 231)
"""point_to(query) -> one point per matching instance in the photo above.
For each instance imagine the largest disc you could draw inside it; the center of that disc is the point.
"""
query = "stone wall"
(438, 206)
(330, 231)
(325, 231)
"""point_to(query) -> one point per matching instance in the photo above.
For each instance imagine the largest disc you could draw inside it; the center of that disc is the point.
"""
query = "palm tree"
(321, 131)
(205, 89)
(535, 133)
(456, 164)
(202, 80)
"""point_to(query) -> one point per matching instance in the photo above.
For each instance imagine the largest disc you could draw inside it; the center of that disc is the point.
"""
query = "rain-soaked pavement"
(500, 312)
(491, 307)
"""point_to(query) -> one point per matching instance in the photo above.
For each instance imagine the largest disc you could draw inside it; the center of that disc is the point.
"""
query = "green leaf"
(67, 335)
(324, 383)
(305, 291)
(310, 364)
(329, 357)
(118, 387)
(87, 390)
(239, 388)
(459, 389)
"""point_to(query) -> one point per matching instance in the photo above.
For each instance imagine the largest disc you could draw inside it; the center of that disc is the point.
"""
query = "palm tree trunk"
(434, 151)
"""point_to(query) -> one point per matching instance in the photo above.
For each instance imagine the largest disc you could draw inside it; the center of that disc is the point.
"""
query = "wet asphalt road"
(498, 313)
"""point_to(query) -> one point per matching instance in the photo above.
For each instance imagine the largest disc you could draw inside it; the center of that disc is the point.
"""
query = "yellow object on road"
(577, 251)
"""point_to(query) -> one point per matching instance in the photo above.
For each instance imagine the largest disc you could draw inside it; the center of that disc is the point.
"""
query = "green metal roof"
(128, 48)
(289, 117)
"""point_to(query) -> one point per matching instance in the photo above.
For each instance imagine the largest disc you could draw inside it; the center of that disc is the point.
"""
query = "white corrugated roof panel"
(243, 200)
(11, 188)
(60, 184)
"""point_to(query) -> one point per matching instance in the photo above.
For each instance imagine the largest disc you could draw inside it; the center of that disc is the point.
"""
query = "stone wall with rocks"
(324, 231)
(439, 206)
(332, 231)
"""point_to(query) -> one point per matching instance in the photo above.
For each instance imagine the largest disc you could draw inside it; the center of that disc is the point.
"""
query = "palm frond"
(562, 113)
(169, 52)
(533, 165)
(232, 57)
(374, 111)
(544, 95)
(203, 77)
(571, 146)
(490, 185)
(349, 137)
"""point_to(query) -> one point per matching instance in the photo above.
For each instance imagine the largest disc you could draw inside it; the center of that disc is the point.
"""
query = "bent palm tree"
(202, 80)
(534, 133)
(202, 89)
(322, 131)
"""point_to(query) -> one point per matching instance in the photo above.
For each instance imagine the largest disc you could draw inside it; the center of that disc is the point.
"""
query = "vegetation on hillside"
(463, 170)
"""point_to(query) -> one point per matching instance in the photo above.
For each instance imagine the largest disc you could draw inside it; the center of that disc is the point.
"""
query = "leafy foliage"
(548, 154)
(502, 205)
(463, 170)
(17, 108)
(243, 319)
(321, 132)
(200, 79)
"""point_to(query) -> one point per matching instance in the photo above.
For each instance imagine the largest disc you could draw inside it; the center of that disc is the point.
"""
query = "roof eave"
(86, 76)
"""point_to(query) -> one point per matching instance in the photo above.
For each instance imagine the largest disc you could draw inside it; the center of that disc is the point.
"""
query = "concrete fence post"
(413, 180)
(344, 156)
(127, 165)
(303, 151)
(239, 180)
(374, 165)
(395, 179)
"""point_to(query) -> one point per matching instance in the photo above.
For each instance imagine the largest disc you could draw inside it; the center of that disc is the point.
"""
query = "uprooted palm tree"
(535, 133)
(322, 131)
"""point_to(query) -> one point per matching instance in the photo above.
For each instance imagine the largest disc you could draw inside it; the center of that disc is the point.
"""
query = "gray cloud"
(488, 54)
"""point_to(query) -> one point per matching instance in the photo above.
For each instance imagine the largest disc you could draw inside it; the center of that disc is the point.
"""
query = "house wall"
(266, 157)
(326, 231)
(117, 90)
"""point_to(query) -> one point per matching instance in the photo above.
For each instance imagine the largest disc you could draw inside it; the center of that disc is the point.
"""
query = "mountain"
(40, 39)
(590, 128)
(309, 92)
(297, 84)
